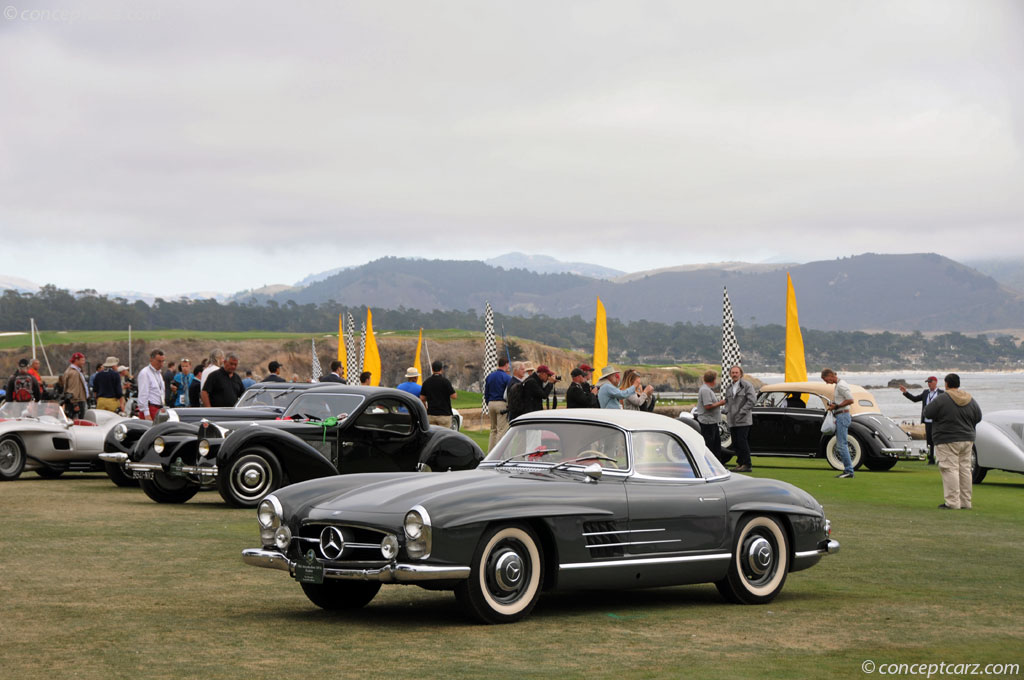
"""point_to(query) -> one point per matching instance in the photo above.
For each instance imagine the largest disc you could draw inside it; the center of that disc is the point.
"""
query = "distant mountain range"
(925, 292)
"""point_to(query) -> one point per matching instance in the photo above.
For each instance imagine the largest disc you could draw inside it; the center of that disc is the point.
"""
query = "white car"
(38, 436)
(999, 443)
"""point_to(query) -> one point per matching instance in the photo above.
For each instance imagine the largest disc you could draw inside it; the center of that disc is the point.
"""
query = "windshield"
(575, 443)
(323, 406)
(43, 411)
(259, 396)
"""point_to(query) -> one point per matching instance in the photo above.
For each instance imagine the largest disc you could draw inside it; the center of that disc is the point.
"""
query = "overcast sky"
(223, 146)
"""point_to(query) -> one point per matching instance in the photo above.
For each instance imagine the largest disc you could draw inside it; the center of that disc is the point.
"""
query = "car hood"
(447, 495)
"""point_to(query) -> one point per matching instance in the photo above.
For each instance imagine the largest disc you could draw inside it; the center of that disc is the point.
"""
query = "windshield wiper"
(527, 453)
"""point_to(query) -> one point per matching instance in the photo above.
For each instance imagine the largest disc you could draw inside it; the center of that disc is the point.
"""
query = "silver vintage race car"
(37, 436)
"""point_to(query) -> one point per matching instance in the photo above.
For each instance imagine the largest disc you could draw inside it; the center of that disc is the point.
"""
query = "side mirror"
(594, 471)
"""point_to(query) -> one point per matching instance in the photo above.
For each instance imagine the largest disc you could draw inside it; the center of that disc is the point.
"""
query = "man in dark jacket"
(536, 388)
(926, 398)
(23, 386)
(274, 375)
(955, 415)
(578, 396)
(224, 386)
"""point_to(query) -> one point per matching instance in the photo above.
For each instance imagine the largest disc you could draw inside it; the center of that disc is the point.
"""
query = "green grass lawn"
(85, 337)
(100, 582)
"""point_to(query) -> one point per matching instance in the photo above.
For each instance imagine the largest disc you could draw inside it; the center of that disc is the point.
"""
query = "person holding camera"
(578, 396)
(537, 387)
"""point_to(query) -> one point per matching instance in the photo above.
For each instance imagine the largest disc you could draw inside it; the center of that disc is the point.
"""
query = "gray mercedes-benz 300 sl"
(580, 499)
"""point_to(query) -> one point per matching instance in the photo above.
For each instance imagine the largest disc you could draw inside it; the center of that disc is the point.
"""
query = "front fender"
(299, 460)
(136, 428)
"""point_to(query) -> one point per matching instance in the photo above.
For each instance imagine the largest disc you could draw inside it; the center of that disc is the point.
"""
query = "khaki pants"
(499, 421)
(443, 421)
(108, 403)
(955, 465)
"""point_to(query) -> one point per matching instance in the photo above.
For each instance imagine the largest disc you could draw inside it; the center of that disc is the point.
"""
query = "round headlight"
(158, 444)
(413, 525)
(389, 546)
(269, 513)
(120, 432)
(204, 447)
(282, 538)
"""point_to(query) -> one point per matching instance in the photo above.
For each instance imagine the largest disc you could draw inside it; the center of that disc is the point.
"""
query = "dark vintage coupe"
(787, 422)
(262, 401)
(576, 499)
(328, 429)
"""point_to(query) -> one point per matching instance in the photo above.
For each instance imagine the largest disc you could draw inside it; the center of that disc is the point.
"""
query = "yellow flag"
(342, 354)
(796, 367)
(416, 361)
(371, 359)
(600, 340)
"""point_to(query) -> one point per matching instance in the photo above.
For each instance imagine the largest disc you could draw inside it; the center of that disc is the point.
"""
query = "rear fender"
(450, 450)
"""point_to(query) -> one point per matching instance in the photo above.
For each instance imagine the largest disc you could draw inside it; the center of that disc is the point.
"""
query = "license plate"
(142, 474)
(309, 569)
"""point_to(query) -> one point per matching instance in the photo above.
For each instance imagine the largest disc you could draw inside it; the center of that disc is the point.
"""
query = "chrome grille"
(360, 543)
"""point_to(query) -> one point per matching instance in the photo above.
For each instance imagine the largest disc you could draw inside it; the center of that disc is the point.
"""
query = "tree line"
(644, 342)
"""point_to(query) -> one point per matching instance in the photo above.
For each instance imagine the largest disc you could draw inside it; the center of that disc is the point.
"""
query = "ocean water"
(992, 391)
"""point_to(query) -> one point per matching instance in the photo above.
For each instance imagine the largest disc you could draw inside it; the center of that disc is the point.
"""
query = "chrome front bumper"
(396, 572)
(906, 453)
(826, 547)
(119, 458)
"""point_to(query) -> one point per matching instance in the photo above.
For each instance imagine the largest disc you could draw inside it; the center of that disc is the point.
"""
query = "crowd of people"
(512, 389)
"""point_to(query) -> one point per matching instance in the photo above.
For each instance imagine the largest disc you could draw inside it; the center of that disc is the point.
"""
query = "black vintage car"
(787, 422)
(262, 401)
(329, 429)
(577, 499)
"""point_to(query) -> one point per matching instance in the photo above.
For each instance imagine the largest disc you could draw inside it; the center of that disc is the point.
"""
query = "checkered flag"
(490, 351)
(317, 370)
(730, 347)
(362, 350)
(350, 346)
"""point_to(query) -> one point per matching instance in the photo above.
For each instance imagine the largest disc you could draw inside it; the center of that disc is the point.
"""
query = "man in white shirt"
(216, 359)
(151, 386)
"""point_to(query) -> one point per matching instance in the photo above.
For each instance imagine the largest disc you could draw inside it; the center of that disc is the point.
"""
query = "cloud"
(657, 133)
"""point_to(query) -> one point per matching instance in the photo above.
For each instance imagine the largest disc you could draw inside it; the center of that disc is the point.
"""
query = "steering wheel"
(591, 454)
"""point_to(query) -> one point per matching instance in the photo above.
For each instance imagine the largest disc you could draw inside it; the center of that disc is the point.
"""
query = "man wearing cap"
(410, 385)
(578, 396)
(76, 386)
(335, 375)
(23, 386)
(273, 372)
(107, 386)
(588, 373)
(956, 416)
(926, 397)
(495, 385)
(437, 394)
(151, 386)
(608, 394)
(536, 388)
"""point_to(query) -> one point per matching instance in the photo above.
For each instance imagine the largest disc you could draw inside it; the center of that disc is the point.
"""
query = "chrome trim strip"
(641, 562)
(395, 572)
(114, 457)
(199, 469)
(624, 531)
(614, 545)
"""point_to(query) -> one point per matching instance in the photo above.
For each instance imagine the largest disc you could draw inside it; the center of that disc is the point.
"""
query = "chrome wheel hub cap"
(508, 571)
(252, 477)
(759, 556)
